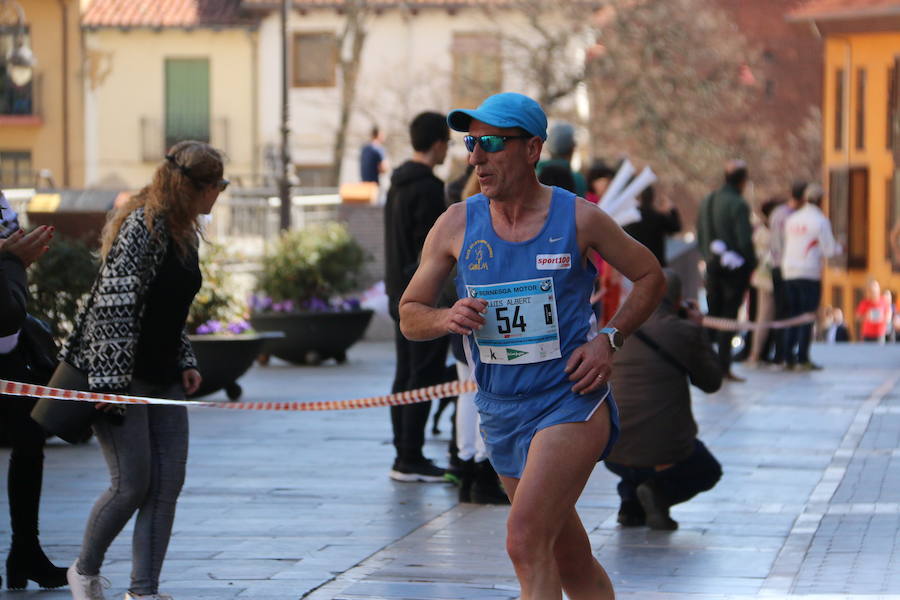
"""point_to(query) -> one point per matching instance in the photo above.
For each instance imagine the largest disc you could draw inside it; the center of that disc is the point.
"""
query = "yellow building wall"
(875, 52)
(46, 140)
(126, 83)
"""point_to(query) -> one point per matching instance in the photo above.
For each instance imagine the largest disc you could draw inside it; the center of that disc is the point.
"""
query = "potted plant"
(223, 340)
(303, 289)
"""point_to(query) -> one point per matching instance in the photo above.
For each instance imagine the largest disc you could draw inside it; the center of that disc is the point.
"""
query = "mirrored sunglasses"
(491, 143)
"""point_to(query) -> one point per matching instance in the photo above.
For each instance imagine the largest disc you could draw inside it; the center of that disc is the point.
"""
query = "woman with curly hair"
(130, 337)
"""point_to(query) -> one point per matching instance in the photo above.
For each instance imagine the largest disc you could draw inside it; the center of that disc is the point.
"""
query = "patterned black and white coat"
(107, 329)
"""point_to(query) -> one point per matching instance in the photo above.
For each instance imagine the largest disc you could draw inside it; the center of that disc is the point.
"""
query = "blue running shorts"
(508, 423)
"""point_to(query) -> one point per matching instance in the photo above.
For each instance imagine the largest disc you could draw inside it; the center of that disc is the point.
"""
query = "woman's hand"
(28, 247)
(191, 380)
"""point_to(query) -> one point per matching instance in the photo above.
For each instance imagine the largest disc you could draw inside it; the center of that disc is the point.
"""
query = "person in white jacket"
(808, 241)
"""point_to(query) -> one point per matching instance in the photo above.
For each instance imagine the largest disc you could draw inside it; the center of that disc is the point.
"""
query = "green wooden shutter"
(187, 100)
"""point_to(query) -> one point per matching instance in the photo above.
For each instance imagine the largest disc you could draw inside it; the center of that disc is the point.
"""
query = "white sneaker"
(86, 587)
(130, 596)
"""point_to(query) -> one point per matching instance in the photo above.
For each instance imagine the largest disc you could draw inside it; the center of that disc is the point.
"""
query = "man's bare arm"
(597, 230)
(419, 319)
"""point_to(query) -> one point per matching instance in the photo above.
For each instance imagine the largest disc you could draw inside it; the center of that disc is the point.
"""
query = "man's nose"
(477, 156)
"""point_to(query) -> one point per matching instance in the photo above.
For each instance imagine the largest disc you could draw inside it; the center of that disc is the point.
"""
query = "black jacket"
(13, 294)
(653, 228)
(414, 202)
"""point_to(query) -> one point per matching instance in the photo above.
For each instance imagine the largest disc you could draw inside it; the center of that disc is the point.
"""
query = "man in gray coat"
(658, 456)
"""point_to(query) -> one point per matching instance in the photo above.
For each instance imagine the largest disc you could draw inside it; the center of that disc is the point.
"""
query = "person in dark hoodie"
(26, 560)
(414, 202)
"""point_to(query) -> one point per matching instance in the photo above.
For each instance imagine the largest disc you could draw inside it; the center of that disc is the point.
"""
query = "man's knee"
(527, 540)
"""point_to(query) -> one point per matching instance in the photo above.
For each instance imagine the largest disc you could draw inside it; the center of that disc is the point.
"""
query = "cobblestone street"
(288, 506)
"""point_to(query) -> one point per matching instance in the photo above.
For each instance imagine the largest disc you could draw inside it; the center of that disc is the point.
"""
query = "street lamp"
(19, 59)
(284, 185)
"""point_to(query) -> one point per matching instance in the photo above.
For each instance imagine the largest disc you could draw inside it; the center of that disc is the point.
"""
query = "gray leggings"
(146, 455)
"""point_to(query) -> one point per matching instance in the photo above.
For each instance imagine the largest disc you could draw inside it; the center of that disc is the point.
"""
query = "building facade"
(178, 70)
(861, 149)
(417, 55)
(41, 119)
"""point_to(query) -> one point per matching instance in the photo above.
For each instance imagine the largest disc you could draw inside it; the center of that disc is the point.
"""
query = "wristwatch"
(616, 339)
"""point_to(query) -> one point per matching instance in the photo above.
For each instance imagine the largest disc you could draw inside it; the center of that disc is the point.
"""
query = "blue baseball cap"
(508, 109)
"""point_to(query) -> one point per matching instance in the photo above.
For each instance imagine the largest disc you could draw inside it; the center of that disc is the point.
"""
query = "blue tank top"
(539, 298)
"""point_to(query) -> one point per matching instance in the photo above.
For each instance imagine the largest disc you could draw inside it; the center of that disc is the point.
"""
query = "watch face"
(618, 339)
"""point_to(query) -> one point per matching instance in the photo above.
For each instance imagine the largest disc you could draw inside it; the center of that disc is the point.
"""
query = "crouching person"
(659, 458)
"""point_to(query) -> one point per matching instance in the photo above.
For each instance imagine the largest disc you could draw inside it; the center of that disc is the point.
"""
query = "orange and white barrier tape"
(434, 392)
(734, 325)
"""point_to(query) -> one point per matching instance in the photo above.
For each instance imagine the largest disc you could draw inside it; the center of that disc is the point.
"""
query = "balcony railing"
(155, 140)
(21, 101)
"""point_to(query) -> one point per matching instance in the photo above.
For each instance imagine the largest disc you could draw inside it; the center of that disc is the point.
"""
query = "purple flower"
(239, 326)
(350, 304)
(211, 326)
(260, 303)
(317, 304)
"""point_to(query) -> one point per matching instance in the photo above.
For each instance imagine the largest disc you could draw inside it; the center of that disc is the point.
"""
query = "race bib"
(521, 322)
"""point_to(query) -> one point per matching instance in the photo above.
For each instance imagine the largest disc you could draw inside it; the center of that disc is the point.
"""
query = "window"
(848, 209)
(477, 68)
(892, 102)
(839, 109)
(187, 100)
(894, 112)
(860, 109)
(15, 169)
(837, 297)
(314, 59)
(14, 99)
(892, 201)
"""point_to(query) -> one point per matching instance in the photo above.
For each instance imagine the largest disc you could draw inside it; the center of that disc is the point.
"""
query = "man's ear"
(534, 146)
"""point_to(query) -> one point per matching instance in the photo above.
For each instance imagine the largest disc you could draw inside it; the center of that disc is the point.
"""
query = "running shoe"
(420, 470)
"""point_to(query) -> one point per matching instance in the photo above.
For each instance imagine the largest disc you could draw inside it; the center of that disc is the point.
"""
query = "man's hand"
(693, 312)
(466, 316)
(28, 247)
(590, 365)
(191, 380)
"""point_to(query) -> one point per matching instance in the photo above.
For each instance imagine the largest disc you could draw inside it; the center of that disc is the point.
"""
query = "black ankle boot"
(486, 488)
(466, 479)
(24, 563)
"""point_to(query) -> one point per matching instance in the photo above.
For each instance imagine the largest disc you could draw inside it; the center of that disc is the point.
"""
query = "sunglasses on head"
(491, 143)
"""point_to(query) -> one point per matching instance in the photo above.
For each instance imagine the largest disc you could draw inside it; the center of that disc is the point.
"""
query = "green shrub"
(312, 265)
(216, 301)
(59, 281)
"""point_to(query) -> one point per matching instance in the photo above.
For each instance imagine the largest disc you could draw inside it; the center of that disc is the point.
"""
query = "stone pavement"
(289, 506)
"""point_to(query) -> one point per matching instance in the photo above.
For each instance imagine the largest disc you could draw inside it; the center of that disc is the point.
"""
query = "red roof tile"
(307, 4)
(845, 9)
(163, 13)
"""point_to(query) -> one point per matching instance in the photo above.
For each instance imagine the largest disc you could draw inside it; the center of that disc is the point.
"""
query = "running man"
(524, 285)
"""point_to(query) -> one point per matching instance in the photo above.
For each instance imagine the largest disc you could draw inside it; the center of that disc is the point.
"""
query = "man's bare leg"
(548, 545)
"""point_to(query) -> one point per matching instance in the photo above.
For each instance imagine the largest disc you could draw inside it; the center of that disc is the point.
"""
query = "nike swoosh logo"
(553, 239)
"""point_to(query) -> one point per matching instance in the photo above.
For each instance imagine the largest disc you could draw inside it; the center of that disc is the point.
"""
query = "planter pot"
(311, 337)
(222, 359)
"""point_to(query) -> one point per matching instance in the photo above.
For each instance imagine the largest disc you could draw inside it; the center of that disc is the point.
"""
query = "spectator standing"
(655, 225)
(776, 229)
(659, 459)
(414, 202)
(26, 559)
(808, 241)
(761, 280)
(599, 177)
(372, 160)
(130, 337)
(873, 313)
(725, 240)
(561, 145)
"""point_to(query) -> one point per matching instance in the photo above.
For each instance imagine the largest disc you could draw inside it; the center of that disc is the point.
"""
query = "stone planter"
(311, 337)
(222, 359)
